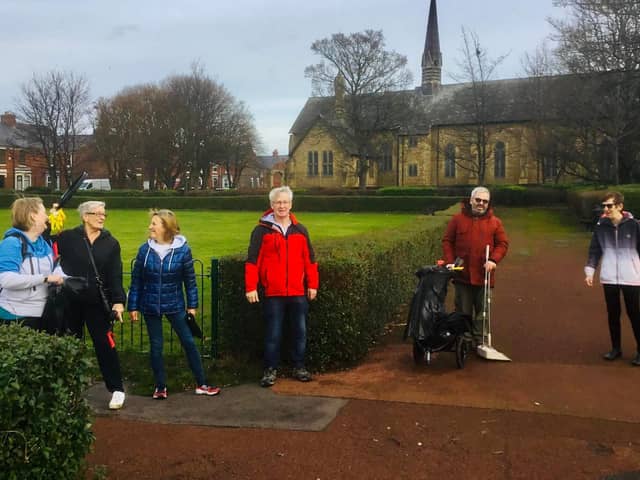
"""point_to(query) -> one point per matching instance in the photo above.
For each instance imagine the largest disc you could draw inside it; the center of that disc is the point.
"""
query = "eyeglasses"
(608, 205)
(98, 214)
(481, 200)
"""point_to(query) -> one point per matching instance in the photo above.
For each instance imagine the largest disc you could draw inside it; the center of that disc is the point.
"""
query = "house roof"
(20, 136)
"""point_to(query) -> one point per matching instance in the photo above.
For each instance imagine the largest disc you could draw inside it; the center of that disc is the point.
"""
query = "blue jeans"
(276, 309)
(179, 324)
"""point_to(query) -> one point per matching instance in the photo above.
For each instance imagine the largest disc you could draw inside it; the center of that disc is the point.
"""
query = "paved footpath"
(556, 411)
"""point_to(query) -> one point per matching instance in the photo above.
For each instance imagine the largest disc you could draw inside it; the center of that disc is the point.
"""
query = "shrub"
(363, 282)
(44, 418)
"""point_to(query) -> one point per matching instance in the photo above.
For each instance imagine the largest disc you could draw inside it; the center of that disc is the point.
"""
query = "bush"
(363, 282)
(44, 418)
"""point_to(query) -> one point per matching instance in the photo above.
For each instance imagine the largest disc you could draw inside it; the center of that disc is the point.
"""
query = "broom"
(486, 350)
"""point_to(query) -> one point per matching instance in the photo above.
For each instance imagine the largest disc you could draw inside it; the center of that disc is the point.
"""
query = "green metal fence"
(133, 336)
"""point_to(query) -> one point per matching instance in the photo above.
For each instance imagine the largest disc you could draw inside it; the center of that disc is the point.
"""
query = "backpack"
(23, 244)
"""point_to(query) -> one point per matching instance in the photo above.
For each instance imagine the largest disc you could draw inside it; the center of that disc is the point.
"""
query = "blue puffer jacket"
(156, 282)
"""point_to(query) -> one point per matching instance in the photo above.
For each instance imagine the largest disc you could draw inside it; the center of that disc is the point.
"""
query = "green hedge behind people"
(615, 245)
(282, 261)
(163, 266)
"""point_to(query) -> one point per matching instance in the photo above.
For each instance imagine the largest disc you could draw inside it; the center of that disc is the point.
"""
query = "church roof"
(506, 101)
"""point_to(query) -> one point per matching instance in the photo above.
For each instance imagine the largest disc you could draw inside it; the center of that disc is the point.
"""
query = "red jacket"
(283, 264)
(467, 237)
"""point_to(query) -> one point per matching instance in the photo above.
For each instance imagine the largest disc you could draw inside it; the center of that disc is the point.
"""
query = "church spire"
(432, 57)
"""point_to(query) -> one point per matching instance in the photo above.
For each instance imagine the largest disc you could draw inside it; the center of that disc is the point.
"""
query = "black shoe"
(636, 361)
(613, 354)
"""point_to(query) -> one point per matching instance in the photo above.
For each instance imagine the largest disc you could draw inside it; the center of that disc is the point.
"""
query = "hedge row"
(514, 196)
(363, 282)
(586, 203)
(44, 418)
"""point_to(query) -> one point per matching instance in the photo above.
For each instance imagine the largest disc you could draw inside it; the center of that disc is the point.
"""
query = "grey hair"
(277, 191)
(477, 190)
(89, 206)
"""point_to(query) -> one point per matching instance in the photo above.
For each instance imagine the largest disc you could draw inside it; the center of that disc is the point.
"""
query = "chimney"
(8, 119)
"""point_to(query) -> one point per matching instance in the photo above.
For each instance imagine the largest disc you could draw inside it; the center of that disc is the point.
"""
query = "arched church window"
(450, 160)
(499, 160)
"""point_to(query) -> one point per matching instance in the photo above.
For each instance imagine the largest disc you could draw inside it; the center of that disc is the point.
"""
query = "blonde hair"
(21, 210)
(169, 221)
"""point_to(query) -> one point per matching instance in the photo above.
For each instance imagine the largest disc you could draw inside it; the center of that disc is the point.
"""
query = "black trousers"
(631, 295)
(97, 321)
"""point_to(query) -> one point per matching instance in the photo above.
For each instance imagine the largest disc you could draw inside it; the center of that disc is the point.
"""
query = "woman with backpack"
(26, 265)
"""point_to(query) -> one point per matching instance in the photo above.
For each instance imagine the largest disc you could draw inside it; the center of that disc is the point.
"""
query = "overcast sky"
(257, 49)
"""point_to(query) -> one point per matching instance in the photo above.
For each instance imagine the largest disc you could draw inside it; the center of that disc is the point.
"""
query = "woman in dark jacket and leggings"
(616, 243)
(163, 265)
(89, 308)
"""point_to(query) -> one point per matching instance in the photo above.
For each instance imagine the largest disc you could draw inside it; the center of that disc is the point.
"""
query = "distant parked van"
(95, 184)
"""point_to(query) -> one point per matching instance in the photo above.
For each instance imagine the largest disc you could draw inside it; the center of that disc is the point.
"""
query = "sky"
(258, 49)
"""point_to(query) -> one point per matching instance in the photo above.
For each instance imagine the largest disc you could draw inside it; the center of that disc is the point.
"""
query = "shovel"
(486, 350)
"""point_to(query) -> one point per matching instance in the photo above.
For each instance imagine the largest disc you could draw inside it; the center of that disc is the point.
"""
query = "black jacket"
(74, 259)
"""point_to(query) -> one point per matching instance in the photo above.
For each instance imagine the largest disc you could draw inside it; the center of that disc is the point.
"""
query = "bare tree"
(238, 143)
(601, 42)
(197, 109)
(56, 106)
(174, 130)
(478, 104)
(363, 76)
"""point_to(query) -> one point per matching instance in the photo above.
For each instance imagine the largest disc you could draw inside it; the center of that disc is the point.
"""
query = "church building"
(437, 147)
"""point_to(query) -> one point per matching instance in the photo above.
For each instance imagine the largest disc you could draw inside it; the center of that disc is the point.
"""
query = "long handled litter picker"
(486, 350)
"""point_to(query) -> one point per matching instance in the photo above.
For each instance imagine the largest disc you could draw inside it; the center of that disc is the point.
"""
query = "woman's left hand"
(192, 311)
(119, 309)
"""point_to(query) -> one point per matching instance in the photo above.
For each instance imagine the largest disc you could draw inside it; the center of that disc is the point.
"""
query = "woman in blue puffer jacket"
(163, 265)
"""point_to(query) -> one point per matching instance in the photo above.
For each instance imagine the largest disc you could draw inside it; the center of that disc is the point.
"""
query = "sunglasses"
(608, 205)
(481, 200)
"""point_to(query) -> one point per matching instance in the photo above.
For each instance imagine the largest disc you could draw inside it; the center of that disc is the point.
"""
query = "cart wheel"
(418, 354)
(462, 350)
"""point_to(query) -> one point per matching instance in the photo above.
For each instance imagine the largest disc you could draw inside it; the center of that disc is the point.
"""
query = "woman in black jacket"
(89, 308)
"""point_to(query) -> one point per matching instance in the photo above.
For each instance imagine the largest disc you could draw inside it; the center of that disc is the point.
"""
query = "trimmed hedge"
(586, 202)
(363, 282)
(44, 418)
(388, 199)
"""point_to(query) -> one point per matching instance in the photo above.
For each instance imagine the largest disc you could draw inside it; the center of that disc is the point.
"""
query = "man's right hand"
(252, 296)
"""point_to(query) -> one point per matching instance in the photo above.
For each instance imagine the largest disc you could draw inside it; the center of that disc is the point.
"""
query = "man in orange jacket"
(467, 236)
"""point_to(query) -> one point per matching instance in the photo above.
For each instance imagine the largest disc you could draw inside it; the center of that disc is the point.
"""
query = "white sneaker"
(117, 400)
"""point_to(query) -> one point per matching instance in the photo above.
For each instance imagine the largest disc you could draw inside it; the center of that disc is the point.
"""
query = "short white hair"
(277, 191)
(477, 190)
(89, 206)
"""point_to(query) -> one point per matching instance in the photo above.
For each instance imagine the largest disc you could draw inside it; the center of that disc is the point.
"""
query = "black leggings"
(631, 295)
(94, 316)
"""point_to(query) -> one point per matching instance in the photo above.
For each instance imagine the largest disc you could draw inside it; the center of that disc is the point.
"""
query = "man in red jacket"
(282, 261)
(467, 236)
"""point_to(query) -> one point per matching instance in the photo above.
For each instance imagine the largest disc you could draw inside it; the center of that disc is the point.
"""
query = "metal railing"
(133, 336)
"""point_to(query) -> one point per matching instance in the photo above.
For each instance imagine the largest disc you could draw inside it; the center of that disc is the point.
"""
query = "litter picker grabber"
(486, 350)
